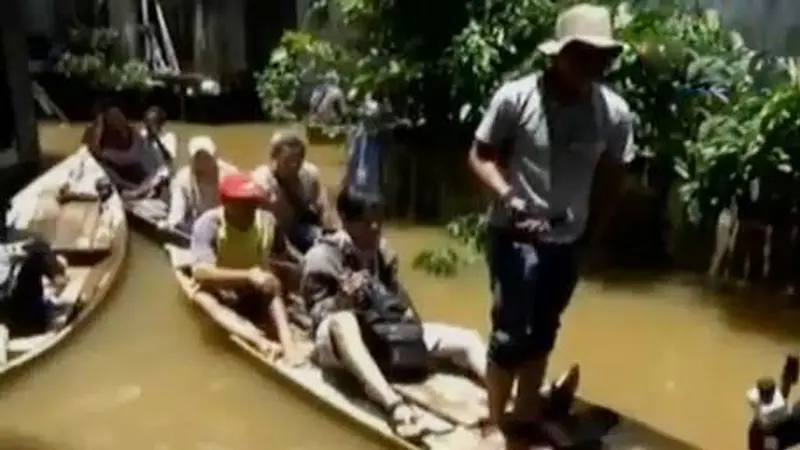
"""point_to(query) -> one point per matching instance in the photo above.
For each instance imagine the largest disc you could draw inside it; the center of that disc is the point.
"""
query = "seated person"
(194, 188)
(155, 133)
(136, 168)
(337, 272)
(25, 259)
(300, 201)
(231, 247)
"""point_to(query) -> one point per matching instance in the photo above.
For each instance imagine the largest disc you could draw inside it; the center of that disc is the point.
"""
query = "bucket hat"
(584, 23)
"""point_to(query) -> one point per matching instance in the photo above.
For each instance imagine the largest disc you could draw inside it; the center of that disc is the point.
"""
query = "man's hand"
(521, 217)
(354, 283)
(264, 281)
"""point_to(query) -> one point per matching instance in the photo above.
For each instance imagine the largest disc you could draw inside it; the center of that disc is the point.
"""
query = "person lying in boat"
(300, 202)
(25, 260)
(195, 187)
(350, 284)
(155, 133)
(231, 247)
(135, 167)
(776, 423)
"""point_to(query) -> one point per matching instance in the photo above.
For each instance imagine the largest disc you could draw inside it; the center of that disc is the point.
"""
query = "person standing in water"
(194, 188)
(537, 149)
(157, 135)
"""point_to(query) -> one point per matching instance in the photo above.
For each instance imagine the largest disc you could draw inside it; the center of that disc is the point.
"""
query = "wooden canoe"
(64, 207)
(449, 404)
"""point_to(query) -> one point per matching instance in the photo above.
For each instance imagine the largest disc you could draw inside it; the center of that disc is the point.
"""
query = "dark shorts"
(302, 236)
(531, 284)
(249, 304)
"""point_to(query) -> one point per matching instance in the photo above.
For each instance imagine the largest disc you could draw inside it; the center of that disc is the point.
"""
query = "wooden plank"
(71, 218)
(45, 218)
(76, 285)
(451, 396)
(90, 223)
(103, 234)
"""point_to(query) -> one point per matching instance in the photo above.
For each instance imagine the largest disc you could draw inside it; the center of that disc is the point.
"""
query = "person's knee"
(455, 342)
(343, 326)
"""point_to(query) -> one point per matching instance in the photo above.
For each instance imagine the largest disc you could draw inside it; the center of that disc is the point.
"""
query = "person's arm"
(611, 174)
(177, 202)
(322, 278)
(170, 142)
(328, 215)
(204, 264)
(491, 137)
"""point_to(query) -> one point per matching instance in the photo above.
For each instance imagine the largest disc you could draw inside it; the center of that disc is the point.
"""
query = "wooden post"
(232, 34)
(123, 16)
(15, 54)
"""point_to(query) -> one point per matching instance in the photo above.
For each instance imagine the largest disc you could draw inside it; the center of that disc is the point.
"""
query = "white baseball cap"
(199, 144)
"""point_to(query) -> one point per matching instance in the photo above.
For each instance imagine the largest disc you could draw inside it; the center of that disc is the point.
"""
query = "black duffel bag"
(393, 333)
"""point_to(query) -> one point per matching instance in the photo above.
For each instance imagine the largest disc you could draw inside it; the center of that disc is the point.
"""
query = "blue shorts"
(531, 284)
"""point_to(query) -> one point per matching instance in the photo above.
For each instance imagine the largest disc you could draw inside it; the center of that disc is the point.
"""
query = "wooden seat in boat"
(74, 229)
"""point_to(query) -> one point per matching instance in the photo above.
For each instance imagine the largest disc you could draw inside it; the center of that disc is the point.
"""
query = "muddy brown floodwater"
(149, 373)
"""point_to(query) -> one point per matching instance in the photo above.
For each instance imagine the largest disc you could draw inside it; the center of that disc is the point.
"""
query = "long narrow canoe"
(449, 404)
(88, 229)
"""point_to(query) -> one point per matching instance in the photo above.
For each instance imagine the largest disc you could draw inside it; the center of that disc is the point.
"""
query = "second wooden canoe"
(88, 229)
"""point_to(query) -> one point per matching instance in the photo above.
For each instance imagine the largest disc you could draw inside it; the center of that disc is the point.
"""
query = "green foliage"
(755, 142)
(299, 61)
(714, 117)
(90, 58)
(469, 232)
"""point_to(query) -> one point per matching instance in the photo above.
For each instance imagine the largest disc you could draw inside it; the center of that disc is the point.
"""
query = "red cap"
(239, 186)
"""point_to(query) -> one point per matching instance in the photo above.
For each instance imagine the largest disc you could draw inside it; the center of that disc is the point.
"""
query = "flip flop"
(407, 428)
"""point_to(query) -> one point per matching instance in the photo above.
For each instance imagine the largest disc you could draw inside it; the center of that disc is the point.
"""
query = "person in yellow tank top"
(231, 248)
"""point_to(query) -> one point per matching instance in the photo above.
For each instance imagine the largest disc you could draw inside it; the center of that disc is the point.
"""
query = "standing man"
(536, 150)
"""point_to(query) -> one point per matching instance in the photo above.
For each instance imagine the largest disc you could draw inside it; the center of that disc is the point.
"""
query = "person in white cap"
(537, 149)
(194, 188)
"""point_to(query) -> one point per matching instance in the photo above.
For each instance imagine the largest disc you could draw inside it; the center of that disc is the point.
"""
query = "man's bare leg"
(528, 403)
(356, 358)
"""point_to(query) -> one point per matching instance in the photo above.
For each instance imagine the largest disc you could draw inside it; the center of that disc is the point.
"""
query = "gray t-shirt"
(554, 149)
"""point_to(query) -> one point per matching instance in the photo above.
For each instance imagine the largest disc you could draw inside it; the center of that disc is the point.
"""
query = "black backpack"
(22, 306)
(392, 331)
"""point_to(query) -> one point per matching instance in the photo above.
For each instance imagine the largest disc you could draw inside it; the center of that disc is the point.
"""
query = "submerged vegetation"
(718, 123)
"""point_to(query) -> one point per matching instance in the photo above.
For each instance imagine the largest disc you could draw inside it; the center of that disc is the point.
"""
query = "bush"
(89, 57)
(714, 117)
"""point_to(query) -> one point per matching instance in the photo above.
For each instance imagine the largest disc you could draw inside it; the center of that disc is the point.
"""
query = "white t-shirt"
(189, 199)
(768, 413)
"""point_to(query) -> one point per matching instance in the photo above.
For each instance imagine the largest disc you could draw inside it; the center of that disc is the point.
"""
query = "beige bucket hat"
(585, 23)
